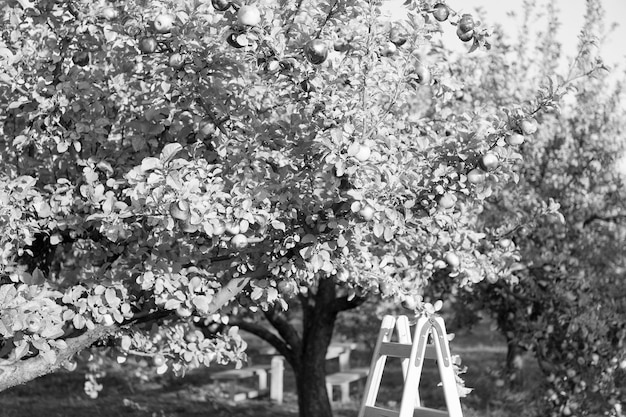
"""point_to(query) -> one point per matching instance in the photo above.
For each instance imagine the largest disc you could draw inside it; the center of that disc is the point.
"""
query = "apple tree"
(170, 167)
(562, 228)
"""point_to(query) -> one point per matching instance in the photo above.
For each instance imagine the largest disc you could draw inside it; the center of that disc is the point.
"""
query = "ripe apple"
(176, 61)
(81, 58)
(505, 243)
(452, 259)
(440, 264)
(180, 210)
(158, 360)
(110, 13)
(363, 154)
(231, 39)
(367, 212)
(287, 288)
(239, 241)
(441, 12)
(528, 126)
(341, 45)
(249, 16)
(220, 5)
(466, 23)
(397, 36)
(423, 74)
(147, 45)
(515, 139)
(164, 23)
(464, 36)
(316, 51)
(447, 201)
(489, 161)
(476, 176)
(389, 49)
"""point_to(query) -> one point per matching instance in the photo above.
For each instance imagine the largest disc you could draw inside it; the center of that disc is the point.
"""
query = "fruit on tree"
(363, 154)
(239, 241)
(440, 264)
(515, 139)
(452, 259)
(249, 16)
(528, 126)
(232, 40)
(220, 5)
(316, 51)
(447, 201)
(180, 210)
(147, 45)
(397, 37)
(158, 360)
(476, 176)
(176, 61)
(423, 74)
(489, 161)
(464, 36)
(341, 45)
(389, 49)
(164, 23)
(441, 12)
(367, 212)
(287, 288)
(109, 13)
(81, 58)
(466, 23)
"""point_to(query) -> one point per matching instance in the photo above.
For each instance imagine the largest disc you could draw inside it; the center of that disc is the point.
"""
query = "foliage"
(165, 162)
(560, 295)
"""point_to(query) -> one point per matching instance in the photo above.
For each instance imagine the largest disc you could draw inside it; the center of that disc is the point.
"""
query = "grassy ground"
(62, 394)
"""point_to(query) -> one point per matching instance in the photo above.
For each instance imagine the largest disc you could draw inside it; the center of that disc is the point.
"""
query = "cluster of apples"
(465, 26)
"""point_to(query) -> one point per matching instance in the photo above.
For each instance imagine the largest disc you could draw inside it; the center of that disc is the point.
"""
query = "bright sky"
(571, 14)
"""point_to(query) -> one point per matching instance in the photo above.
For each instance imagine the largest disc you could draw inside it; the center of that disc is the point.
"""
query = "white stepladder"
(413, 355)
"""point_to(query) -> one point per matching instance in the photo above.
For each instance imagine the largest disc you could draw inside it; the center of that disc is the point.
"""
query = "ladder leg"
(378, 363)
(414, 372)
(446, 369)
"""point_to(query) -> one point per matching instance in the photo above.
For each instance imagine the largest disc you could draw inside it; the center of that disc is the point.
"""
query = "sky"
(571, 13)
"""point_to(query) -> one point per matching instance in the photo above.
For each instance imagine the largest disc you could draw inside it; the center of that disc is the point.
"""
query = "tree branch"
(27, 370)
(256, 329)
(343, 303)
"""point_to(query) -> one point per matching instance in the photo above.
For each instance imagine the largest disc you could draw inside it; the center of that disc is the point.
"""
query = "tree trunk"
(306, 352)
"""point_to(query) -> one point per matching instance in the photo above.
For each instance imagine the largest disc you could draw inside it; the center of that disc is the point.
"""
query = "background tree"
(168, 165)
(560, 294)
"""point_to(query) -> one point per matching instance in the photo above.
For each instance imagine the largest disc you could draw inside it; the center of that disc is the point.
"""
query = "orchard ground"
(196, 394)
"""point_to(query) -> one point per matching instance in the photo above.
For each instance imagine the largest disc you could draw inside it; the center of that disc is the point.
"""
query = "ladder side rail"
(403, 330)
(446, 368)
(414, 372)
(377, 365)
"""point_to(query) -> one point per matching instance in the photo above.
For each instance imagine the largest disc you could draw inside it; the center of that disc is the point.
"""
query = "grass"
(62, 394)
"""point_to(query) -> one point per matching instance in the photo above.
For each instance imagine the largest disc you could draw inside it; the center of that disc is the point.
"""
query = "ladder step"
(372, 411)
(403, 350)
(429, 412)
